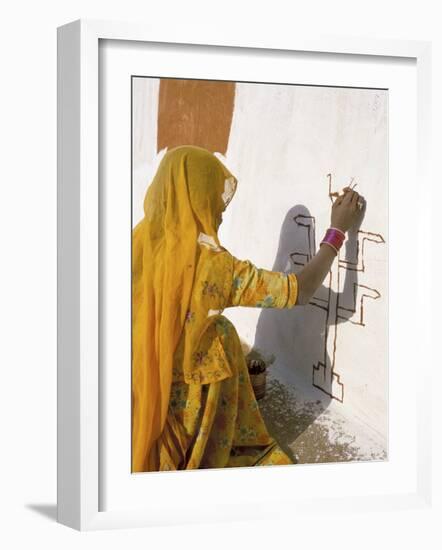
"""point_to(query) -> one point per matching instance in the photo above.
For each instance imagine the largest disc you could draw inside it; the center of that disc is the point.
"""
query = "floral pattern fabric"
(214, 415)
(255, 287)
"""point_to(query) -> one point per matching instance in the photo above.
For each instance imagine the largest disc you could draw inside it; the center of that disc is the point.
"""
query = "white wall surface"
(28, 276)
(284, 142)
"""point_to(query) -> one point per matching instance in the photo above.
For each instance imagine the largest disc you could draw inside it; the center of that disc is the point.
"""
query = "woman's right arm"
(253, 287)
(344, 214)
(311, 276)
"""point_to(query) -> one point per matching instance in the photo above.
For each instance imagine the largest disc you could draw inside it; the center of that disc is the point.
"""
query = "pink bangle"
(339, 231)
(334, 237)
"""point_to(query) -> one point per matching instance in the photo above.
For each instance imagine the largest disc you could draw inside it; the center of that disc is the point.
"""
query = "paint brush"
(338, 194)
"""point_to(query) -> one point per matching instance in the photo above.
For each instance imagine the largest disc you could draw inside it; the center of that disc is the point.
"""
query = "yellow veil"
(184, 202)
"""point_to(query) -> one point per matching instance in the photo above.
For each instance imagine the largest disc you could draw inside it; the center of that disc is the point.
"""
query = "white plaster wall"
(284, 141)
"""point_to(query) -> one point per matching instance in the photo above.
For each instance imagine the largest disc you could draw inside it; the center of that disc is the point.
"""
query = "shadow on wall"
(297, 336)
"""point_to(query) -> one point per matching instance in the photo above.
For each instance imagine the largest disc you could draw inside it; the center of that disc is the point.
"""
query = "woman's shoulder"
(216, 266)
(218, 253)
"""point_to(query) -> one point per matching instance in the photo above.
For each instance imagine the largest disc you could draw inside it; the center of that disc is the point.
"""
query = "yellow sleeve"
(254, 287)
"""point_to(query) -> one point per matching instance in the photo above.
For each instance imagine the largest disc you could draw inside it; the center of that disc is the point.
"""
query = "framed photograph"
(233, 276)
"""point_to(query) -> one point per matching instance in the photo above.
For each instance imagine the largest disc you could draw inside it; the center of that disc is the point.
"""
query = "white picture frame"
(78, 448)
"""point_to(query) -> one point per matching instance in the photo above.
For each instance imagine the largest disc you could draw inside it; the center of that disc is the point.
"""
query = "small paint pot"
(258, 375)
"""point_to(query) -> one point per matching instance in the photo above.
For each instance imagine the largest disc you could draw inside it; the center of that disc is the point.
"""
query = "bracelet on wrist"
(334, 237)
(339, 230)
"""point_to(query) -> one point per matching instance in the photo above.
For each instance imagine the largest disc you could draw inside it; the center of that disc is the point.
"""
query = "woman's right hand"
(345, 210)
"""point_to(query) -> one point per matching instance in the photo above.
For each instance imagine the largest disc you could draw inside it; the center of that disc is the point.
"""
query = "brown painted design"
(195, 112)
(325, 370)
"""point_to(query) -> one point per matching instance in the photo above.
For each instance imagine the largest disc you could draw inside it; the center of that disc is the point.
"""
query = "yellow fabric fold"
(185, 200)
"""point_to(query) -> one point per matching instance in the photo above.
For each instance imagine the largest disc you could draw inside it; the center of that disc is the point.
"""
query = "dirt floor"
(310, 432)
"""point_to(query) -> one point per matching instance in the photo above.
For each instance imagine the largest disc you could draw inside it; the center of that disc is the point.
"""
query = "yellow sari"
(193, 405)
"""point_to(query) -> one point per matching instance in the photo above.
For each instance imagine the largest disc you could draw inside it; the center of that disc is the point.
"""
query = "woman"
(193, 405)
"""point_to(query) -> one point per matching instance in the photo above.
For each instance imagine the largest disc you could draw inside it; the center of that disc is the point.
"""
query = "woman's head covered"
(193, 175)
(182, 208)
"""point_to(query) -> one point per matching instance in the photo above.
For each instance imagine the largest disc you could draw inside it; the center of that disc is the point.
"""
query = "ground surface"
(313, 431)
